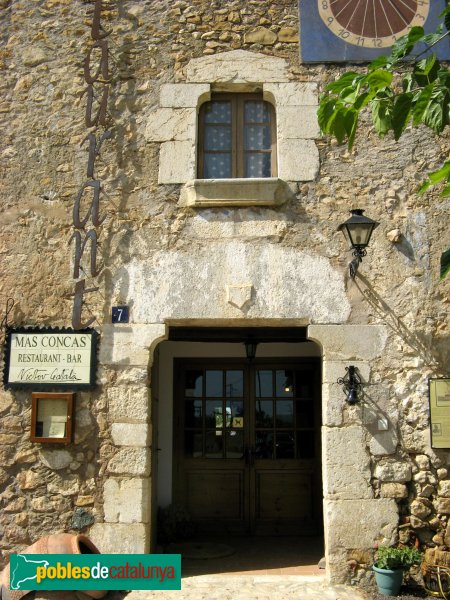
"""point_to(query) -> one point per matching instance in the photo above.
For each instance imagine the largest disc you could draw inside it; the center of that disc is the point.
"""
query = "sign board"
(440, 412)
(46, 359)
(359, 31)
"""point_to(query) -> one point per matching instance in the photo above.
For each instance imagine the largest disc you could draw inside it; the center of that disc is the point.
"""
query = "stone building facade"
(211, 255)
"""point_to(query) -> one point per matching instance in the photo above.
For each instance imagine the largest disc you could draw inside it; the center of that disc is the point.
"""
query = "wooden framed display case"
(52, 417)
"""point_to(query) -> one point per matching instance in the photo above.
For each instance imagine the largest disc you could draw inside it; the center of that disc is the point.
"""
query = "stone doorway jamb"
(353, 518)
(128, 350)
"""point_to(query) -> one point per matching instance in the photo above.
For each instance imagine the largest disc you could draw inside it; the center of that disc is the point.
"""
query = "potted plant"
(390, 563)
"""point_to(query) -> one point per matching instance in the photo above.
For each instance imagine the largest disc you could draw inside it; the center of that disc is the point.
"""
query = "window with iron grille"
(237, 137)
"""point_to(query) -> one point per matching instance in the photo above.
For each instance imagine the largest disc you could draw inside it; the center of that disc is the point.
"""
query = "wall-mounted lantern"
(250, 349)
(352, 384)
(357, 231)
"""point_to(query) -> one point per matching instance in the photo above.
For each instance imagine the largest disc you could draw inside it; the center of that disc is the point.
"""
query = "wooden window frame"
(35, 398)
(237, 101)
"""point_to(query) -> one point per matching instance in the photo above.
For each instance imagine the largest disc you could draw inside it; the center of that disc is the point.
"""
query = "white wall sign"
(50, 358)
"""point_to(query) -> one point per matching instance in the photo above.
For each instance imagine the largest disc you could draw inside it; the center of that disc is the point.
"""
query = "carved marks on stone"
(241, 296)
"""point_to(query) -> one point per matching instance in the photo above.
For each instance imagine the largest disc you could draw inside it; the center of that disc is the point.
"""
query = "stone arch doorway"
(239, 440)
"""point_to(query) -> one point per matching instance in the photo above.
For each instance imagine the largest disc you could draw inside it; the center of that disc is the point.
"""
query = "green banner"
(95, 572)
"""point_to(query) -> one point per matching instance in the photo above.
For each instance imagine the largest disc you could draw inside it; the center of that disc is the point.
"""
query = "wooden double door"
(247, 445)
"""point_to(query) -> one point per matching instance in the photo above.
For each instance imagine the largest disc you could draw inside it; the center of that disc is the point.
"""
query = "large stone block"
(29, 480)
(444, 488)
(6, 399)
(240, 223)
(177, 162)
(129, 404)
(133, 375)
(121, 538)
(442, 505)
(425, 477)
(421, 508)
(297, 122)
(333, 403)
(186, 285)
(393, 490)
(130, 434)
(413, 439)
(393, 471)
(183, 95)
(129, 345)
(130, 461)
(291, 94)
(167, 124)
(346, 463)
(33, 56)
(237, 66)
(332, 370)
(349, 342)
(260, 35)
(127, 500)
(298, 160)
(352, 524)
(64, 485)
(55, 459)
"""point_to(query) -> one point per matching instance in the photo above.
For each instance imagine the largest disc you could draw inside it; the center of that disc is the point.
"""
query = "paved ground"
(262, 587)
(270, 569)
(234, 587)
(229, 587)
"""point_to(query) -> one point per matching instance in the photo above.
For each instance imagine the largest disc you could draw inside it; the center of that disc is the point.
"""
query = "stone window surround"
(174, 124)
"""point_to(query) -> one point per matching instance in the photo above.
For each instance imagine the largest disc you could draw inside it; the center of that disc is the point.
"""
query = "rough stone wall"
(43, 165)
(401, 291)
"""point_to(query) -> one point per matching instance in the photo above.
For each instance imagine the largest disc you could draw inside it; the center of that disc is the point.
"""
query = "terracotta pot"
(58, 543)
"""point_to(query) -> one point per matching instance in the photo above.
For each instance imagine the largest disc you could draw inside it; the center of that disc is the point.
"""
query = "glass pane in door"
(193, 413)
(285, 444)
(214, 444)
(284, 414)
(264, 413)
(214, 384)
(284, 383)
(234, 384)
(264, 445)
(193, 383)
(214, 419)
(234, 443)
(264, 383)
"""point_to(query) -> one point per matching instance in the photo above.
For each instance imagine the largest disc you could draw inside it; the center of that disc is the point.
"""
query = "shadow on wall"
(127, 166)
(433, 357)
(387, 430)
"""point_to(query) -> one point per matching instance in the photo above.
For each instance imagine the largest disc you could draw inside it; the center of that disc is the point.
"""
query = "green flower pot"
(388, 581)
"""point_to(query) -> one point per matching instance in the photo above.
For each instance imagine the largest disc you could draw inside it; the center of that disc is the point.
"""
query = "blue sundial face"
(361, 30)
